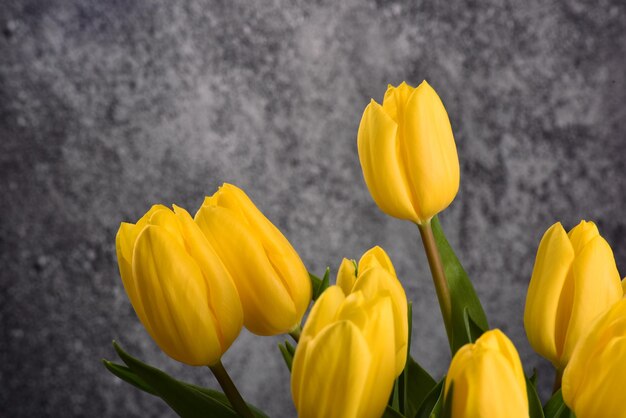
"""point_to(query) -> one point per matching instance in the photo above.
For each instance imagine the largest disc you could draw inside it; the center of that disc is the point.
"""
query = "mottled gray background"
(107, 107)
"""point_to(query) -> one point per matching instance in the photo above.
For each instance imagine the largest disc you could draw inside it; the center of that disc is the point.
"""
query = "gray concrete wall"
(107, 107)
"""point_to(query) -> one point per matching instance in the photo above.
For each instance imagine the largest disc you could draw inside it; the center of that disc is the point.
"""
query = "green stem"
(295, 333)
(230, 390)
(439, 277)
(557, 381)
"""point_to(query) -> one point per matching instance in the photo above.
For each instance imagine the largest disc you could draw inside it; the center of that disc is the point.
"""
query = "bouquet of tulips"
(195, 281)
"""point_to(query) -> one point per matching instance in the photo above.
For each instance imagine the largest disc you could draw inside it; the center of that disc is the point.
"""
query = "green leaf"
(392, 413)
(187, 400)
(288, 351)
(462, 291)
(418, 385)
(394, 400)
(472, 330)
(129, 376)
(431, 405)
(416, 382)
(319, 285)
(446, 409)
(534, 403)
(556, 408)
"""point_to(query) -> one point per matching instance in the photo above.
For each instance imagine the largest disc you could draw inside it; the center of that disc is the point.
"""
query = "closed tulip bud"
(376, 274)
(408, 154)
(595, 377)
(273, 284)
(487, 379)
(179, 288)
(573, 281)
(343, 366)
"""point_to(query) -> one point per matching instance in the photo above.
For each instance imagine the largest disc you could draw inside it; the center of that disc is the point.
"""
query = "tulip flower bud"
(273, 284)
(488, 379)
(595, 377)
(408, 154)
(344, 362)
(375, 274)
(574, 280)
(179, 288)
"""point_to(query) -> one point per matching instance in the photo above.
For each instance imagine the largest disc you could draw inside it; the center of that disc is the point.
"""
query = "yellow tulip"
(344, 363)
(179, 288)
(376, 274)
(273, 284)
(488, 380)
(408, 154)
(595, 377)
(573, 281)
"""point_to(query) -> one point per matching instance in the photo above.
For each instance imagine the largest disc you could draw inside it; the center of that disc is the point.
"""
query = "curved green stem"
(295, 333)
(439, 277)
(230, 390)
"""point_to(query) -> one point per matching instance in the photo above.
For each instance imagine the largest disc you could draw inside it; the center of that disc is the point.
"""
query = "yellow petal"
(498, 341)
(375, 281)
(581, 234)
(329, 373)
(376, 256)
(378, 153)
(554, 258)
(624, 285)
(432, 162)
(346, 275)
(394, 102)
(594, 379)
(268, 307)
(167, 219)
(597, 286)
(223, 296)
(488, 381)
(282, 256)
(379, 333)
(324, 312)
(124, 244)
(174, 297)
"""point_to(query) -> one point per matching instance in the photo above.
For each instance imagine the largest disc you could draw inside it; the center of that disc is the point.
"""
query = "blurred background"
(107, 107)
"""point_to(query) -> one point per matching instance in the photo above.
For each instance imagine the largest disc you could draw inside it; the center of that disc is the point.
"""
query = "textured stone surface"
(108, 107)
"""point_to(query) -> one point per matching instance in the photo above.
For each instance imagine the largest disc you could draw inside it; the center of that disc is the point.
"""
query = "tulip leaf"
(556, 408)
(392, 413)
(394, 400)
(319, 285)
(416, 381)
(534, 403)
(187, 400)
(418, 385)
(129, 376)
(462, 291)
(288, 351)
(446, 409)
(472, 330)
(431, 405)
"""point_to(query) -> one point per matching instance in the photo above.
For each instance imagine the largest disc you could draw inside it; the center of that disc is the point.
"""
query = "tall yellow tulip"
(574, 280)
(344, 362)
(407, 153)
(179, 288)
(487, 379)
(375, 274)
(595, 377)
(272, 281)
